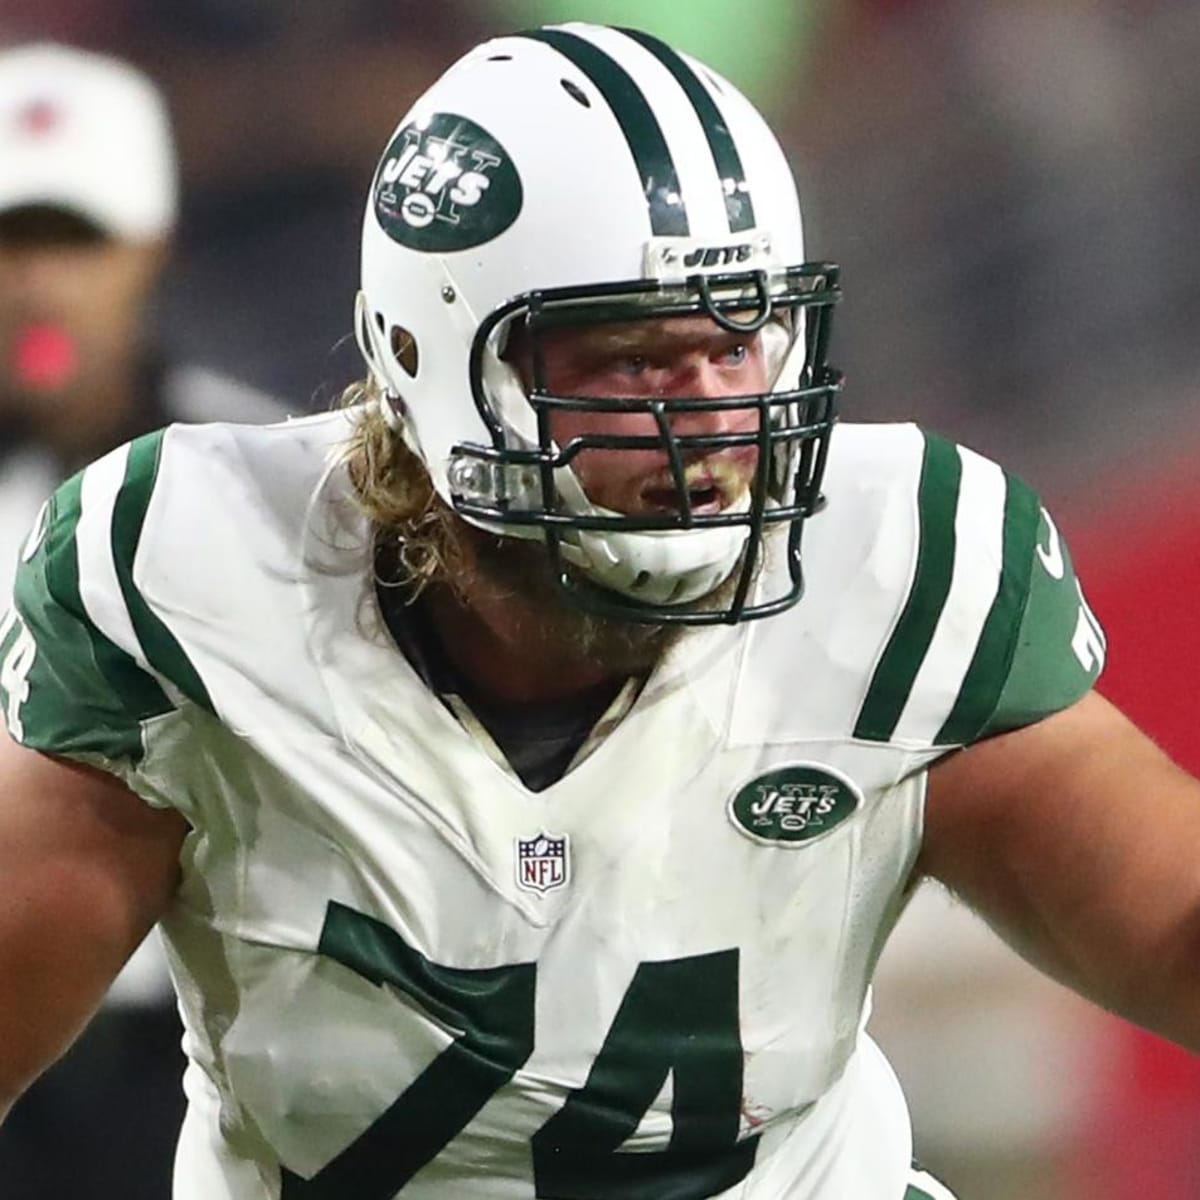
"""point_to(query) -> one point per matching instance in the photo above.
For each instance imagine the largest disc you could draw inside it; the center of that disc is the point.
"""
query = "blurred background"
(1013, 192)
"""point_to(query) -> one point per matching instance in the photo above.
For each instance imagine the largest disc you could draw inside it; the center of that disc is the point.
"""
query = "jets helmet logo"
(445, 184)
(793, 804)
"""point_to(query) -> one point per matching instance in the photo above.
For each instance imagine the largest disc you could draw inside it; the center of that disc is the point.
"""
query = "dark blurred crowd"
(1012, 191)
(1009, 188)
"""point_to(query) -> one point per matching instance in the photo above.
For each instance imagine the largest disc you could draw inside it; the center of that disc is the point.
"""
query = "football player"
(524, 801)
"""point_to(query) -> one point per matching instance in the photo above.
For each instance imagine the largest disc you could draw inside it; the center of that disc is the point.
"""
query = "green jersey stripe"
(984, 681)
(892, 681)
(163, 652)
(139, 692)
(644, 135)
(47, 597)
(739, 207)
(62, 559)
(975, 580)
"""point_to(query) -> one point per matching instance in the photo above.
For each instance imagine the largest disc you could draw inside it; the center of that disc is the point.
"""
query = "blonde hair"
(419, 540)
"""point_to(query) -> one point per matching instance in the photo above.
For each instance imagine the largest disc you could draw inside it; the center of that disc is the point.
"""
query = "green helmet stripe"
(163, 652)
(652, 157)
(892, 682)
(989, 668)
(738, 205)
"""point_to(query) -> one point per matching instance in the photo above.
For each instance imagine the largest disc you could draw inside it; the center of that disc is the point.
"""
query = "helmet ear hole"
(404, 350)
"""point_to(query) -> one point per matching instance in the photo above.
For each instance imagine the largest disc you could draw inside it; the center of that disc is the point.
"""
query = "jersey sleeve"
(994, 632)
(84, 662)
(1052, 649)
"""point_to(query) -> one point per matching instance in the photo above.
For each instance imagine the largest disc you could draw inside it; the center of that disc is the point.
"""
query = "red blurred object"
(1141, 571)
(44, 356)
(1140, 563)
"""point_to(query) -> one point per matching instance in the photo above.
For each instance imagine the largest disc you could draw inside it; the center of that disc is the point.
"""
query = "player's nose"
(719, 412)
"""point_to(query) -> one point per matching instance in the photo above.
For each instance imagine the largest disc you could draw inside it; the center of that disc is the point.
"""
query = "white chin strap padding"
(669, 566)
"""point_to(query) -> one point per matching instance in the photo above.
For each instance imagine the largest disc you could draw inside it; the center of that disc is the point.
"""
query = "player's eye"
(633, 364)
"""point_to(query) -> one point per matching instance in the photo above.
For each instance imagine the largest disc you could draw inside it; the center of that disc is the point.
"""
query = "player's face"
(666, 359)
(70, 306)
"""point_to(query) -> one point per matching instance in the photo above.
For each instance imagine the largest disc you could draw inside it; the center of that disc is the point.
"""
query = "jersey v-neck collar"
(538, 742)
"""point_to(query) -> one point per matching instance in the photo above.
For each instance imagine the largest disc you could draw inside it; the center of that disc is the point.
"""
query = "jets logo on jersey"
(446, 184)
(543, 863)
(794, 804)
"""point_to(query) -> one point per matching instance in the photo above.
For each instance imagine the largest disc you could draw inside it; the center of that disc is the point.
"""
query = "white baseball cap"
(88, 134)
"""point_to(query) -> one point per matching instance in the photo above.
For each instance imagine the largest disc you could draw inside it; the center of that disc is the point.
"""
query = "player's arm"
(86, 868)
(1079, 841)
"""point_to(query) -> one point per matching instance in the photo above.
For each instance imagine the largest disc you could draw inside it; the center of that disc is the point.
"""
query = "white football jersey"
(404, 974)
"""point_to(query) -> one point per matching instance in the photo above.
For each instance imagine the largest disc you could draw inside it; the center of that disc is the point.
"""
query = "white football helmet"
(580, 174)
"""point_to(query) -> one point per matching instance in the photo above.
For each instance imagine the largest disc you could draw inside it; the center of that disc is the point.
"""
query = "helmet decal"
(647, 144)
(726, 158)
(445, 184)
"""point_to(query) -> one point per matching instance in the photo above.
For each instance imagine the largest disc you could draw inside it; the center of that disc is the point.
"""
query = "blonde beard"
(421, 543)
(519, 575)
(523, 572)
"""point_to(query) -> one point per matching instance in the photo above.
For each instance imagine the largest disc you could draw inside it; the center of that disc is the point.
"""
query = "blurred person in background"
(88, 205)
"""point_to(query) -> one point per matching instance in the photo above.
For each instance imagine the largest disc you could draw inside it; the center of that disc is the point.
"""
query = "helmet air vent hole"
(576, 93)
(643, 578)
(404, 350)
(714, 82)
(499, 58)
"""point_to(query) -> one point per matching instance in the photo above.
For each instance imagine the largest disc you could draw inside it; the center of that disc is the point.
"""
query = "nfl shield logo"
(543, 863)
